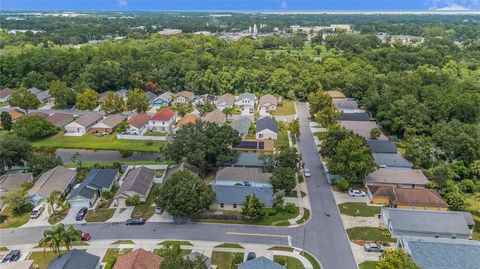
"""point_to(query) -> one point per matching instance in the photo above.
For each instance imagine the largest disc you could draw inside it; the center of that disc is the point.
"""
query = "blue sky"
(265, 5)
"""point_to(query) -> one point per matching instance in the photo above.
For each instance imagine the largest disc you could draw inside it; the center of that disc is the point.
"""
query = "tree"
(375, 133)
(204, 109)
(322, 108)
(54, 199)
(39, 162)
(396, 259)
(122, 127)
(113, 104)
(253, 209)
(283, 178)
(33, 127)
(64, 96)
(17, 200)
(184, 194)
(288, 157)
(228, 111)
(77, 159)
(24, 99)
(441, 173)
(454, 198)
(295, 128)
(173, 258)
(183, 109)
(334, 136)
(278, 199)
(475, 167)
(59, 237)
(6, 121)
(87, 100)
(420, 150)
(15, 151)
(137, 100)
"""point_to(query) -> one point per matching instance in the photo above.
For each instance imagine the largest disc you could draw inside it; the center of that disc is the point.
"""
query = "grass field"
(288, 108)
(278, 218)
(8, 220)
(282, 139)
(358, 209)
(118, 242)
(115, 252)
(42, 259)
(229, 245)
(368, 265)
(57, 216)
(183, 252)
(291, 263)
(369, 234)
(224, 260)
(181, 243)
(105, 164)
(146, 210)
(99, 214)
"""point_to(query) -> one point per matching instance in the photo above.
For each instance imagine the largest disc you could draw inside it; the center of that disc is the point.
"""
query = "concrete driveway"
(342, 197)
(121, 214)
(40, 221)
(70, 218)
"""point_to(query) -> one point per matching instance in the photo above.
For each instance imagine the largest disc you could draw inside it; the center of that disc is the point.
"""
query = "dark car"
(12, 256)
(81, 213)
(135, 221)
(251, 256)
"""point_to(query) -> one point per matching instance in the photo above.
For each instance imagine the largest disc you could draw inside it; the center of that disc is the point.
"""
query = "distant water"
(92, 156)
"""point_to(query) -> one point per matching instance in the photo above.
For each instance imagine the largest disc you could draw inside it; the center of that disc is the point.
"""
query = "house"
(39, 114)
(6, 94)
(246, 103)
(418, 199)
(103, 96)
(162, 121)
(151, 97)
(75, 259)
(266, 128)
(15, 114)
(138, 181)
(204, 99)
(189, 118)
(9, 182)
(56, 179)
(181, 167)
(138, 259)
(382, 146)
(163, 100)
(44, 97)
(184, 97)
(35, 90)
(267, 104)
(354, 117)
(362, 128)
(196, 256)
(60, 119)
(216, 116)
(97, 181)
(441, 253)
(247, 159)
(397, 177)
(260, 262)
(138, 124)
(424, 223)
(389, 160)
(242, 125)
(252, 145)
(108, 124)
(83, 124)
(347, 105)
(225, 101)
(233, 184)
(335, 94)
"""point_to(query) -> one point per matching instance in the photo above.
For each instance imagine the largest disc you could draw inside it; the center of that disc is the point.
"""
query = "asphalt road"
(323, 236)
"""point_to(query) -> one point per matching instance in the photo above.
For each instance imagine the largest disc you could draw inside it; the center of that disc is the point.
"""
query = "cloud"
(122, 3)
(453, 7)
(283, 5)
(454, 4)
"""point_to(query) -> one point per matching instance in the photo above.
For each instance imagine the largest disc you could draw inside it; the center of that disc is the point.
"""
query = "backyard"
(226, 260)
(287, 108)
(282, 139)
(359, 209)
(367, 265)
(146, 210)
(8, 220)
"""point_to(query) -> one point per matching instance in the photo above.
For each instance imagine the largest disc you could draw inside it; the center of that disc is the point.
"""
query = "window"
(260, 135)
(221, 205)
(234, 205)
(454, 236)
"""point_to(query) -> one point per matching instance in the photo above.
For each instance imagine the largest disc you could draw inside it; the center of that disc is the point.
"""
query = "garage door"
(79, 203)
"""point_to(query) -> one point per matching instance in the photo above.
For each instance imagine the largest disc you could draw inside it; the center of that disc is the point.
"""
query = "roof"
(247, 159)
(165, 114)
(266, 123)
(39, 114)
(226, 98)
(267, 98)
(138, 259)
(139, 120)
(9, 182)
(5, 92)
(166, 96)
(260, 262)
(241, 124)
(73, 258)
(391, 160)
(405, 221)
(335, 94)
(247, 95)
(440, 253)
(354, 117)
(89, 119)
(345, 103)
(252, 144)
(43, 95)
(103, 95)
(97, 178)
(397, 176)
(231, 194)
(382, 146)
(189, 118)
(216, 116)
(138, 180)
(361, 128)
(420, 197)
(35, 90)
(110, 121)
(57, 178)
(242, 174)
(15, 113)
(59, 118)
(180, 167)
(195, 255)
(186, 94)
(151, 96)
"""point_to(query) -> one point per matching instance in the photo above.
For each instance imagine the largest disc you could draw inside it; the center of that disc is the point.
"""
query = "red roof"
(165, 114)
(6, 92)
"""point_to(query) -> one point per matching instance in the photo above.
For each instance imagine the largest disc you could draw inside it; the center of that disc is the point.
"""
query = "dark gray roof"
(247, 159)
(242, 124)
(95, 180)
(195, 255)
(260, 262)
(181, 166)
(35, 90)
(236, 194)
(354, 117)
(9, 182)
(151, 96)
(266, 123)
(345, 103)
(74, 259)
(242, 174)
(382, 146)
(391, 160)
(138, 180)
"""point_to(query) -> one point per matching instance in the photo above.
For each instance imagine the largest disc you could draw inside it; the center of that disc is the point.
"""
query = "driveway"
(71, 215)
(121, 214)
(342, 197)
(40, 221)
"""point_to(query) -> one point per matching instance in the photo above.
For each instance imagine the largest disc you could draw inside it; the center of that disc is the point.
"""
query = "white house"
(184, 97)
(82, 125)
(266, 128)
(163, 121)
(246, 103)
(267, 104)
(138, 124)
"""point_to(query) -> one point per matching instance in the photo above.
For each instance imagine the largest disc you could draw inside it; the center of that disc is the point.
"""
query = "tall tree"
(283, 178)
(59, 237)
(32, 127)
(253, 209)
(64, 96)
(396, 259)
(17, 200)
(206, 108)
(183, 109)
(6, 121)
(24, 99)
(113, 104)
(334, 136)
(322, 108)
(39, 162)
(87, 100)
(294, 128)
(54, 199)
(137, 100)
(15, 151)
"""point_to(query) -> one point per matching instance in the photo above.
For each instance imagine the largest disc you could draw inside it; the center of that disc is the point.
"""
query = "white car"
(356, 193)
(306, 172)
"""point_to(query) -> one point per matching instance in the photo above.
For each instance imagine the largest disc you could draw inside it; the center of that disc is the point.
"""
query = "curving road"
(323, 236)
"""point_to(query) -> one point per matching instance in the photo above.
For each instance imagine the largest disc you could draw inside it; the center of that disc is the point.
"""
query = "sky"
(242, 5)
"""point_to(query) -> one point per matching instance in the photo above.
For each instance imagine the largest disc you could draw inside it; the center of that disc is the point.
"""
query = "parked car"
(36, 212)
(158, 210)
(306, 172)
(81, 213)
(12, 256)
(86, 236)
(135, 221)
(251, 256)
(356, 193)
(373, 247)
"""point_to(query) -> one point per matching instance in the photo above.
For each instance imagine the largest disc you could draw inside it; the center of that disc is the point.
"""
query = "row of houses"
(43, 96)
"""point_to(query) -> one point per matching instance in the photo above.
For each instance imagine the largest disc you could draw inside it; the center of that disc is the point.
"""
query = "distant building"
(82, 125)
(242, 125)
(216, 116)
(162, 121)
(60, 119)
(183, 97)
(246, 103)
(109, 124)
(163, 100)
(170, 32)
(266, 128)
(225, 101)
(267, 104)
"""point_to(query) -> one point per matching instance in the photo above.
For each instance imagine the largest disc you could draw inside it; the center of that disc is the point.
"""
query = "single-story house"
(267, 104)
(346, 105)
(73, 258)
(35, 90)
(335, 94)
(397, 177)
(97, 181)
(138, 181)
(15, 114)
(418, 199)
(180, 167)
(60, 119)
(108, 124)
(241, 125)
(56, 179)
(266, 128)
(9, 182)
(183, 97)
(362, 128)
(225, 101)
(189, 118)
(151, 96)
(195, 256)
(204, 99)
(216, 116)
(138, 259)
(6, 94)
(391, 160)
(163, 100)
(246, 103)
(354, 117)
(424, 223)
(252, 145)
(233, 184)
(162, 121)
(260, 262)
(382, 146)
(83, 124)
(247, 159)
(442, 253)
(45, 97)
(138, 124)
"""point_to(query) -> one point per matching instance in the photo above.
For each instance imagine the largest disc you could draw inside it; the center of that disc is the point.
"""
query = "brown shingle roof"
(5, 92)
(139, 120)
(186, 94)
(267, 98)
(89, 118)
(227, 98)
(419, 197)
(60, 118)
(361, 128)
(9, 182)
(335, 94)
(111, 121)
(397, 176)
(138, 180)
(40, 114)
(216, 116)
(15, 114)
(138, 259)
(190, 118)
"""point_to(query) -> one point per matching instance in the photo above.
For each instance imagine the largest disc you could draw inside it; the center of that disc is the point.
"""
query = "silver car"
(373, 247)
(306, 172)
(356, 193)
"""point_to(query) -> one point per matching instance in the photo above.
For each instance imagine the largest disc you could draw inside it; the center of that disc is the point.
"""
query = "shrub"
(300, 179)
(290, 208)
(468, 186)
(343, 184)
(107, 194)
(282, 260)
(237, 258)
(133, 201)
(110, 262)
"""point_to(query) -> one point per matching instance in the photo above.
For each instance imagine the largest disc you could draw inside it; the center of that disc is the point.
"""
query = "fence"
(142, 137)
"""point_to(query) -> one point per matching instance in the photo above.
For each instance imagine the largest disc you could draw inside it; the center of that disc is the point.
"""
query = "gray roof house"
(13, 181)
(397, 177)
(96, 181)
(354, 117)
(391, 160)
(247, 159)
(224, 101)
(151, 96)
(75, 259)
(382, 146)
(424, 223)
(216, 116)
(35, 90)
(260, 262)
(195, 255)
(266, 128)
(44, 96)
(242, 125)
(180, 167)
(345, 105)
(138, 181)
(56, 179)
(247, 95)
(362, 128)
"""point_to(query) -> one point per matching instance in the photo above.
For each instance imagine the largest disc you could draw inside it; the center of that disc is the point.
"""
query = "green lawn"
(280, 248)
(3, 104)
(311, 259)
(150, 133)
(80, 243)
(57, 216)
(118, 242)
(4, 249)
(229, 245)
(279, 218)
(367, 265)
(8, 220)
(369, 234)
(90, 141)
(183, 252)
(321, 135)
(181, 243)
(224, 260)
(42, 259)
(306, 216)
(358, 209)
(99, 214)
(282, 139)
(288, 108)
(291, 263)
(115, 252)
(146, 210)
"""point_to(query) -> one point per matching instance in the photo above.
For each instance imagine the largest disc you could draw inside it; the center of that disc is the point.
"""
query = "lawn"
(118, 242)
(115, 252)
(57, 216)
(183, 252)
(367, 265)
(8, 220)
(291, 263)
(80, 243)
(282, 139)
(280, 248)
(150, 133)
(306, 216)
(90, 141)
(229, 245)
(99, 214)
(224, 260)
(181, 243)
(288, 108)
(42, 259)
(359, 209)
(278, 218)
(321, 135)
(311, 259)
(369, 234)
(146, 210)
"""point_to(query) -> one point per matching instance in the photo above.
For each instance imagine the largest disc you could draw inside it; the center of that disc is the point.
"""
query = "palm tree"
(58, 237)
(71, 235)
(53, 199)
